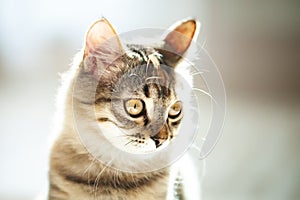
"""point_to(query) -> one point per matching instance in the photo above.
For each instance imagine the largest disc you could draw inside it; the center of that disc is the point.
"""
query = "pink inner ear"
(98, 34)
(180, 38)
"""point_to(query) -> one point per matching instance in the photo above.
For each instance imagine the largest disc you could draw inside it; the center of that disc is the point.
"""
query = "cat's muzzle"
(161, 136)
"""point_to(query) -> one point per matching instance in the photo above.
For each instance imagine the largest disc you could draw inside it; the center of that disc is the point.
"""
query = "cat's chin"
(147, 147)
(137, 148)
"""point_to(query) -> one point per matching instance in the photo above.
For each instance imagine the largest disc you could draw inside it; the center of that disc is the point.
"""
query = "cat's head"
(131, 88)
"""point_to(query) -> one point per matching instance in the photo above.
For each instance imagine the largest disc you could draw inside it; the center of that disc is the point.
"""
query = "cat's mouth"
(158, 141)
(160, 137)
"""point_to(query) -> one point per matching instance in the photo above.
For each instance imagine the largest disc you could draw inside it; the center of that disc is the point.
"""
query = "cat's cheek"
(113, 134)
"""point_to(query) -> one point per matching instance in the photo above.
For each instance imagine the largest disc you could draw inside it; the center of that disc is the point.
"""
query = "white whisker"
(203, 44)
(136, 76)
(196, 69)
(206, 93)
(196, 73)
(96, 183)
(88, 172)
(133, 179)
(153, 77)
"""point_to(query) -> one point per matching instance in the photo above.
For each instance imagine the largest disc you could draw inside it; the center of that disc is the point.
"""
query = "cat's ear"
(102, 45)
(178, 40)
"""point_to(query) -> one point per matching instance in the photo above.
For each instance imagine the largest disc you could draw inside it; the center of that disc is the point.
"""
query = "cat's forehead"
(139, 76)
(146, 63)
(145, 73)
(143, 54)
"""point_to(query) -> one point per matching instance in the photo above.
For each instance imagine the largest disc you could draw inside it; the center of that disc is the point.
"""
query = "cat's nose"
(161, 136)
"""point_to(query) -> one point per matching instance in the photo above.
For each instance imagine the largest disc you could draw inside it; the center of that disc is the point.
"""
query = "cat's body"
(93, 98)
(83, 179)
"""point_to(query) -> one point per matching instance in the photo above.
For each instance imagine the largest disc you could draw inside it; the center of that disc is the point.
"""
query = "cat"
(119, 105)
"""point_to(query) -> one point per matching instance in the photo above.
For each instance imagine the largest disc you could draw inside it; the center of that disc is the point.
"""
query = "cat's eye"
(134, 107)
(175, 109)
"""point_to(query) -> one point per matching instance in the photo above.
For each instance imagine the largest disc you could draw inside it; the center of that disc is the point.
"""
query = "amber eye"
(134, 107)
(175, 109)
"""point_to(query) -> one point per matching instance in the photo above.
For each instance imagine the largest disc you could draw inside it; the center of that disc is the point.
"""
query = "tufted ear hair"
(178, 40)
(102, 46)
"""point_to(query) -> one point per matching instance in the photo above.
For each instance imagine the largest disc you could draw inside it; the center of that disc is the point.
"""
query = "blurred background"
(255, 44)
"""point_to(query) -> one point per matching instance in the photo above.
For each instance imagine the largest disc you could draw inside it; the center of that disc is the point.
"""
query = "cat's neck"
(76, 175)
(76, 164)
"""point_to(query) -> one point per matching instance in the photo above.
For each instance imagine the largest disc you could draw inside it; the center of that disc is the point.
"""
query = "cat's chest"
(156, 190)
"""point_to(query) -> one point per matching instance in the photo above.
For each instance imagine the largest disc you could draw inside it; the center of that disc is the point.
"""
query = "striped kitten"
(120, 105)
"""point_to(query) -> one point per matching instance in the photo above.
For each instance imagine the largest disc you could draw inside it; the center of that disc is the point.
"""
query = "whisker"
(203, 44)
(196, 73)
(196, 69)
(122, 136)
(136, 76)
(96, 183)
(153, 77)
(196, 148)
(125, 135)
(133, 179)
(87, 171)
(206, 93)
(92, 162)
(129, 142)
